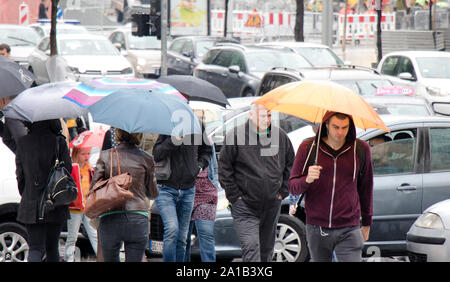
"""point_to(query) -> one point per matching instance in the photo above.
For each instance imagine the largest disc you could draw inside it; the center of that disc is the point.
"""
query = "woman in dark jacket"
(35, 156)
(129, 223)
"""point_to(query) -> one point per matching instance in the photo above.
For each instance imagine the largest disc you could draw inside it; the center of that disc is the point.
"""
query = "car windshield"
(408, 109)
(143, 42)
(19, 37)
(365, 87)
(87, 47)
(265, 60)
(436, 67)
(202, 47)
(319, 56)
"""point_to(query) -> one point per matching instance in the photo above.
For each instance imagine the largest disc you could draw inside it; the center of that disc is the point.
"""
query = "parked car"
(402, 105)
(62, 27)
(363, 81)
(410, 174)
(428, 71)
(84, 57)
(316, 54)
(13, 234)
(22, 40)
(238, 69)
(143, 52)
(428, 239)
(185, 53)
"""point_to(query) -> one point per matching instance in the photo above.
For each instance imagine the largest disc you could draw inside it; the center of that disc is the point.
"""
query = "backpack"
(360, 153)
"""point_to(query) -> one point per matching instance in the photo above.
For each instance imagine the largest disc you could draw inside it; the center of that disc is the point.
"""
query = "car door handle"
(406, 187)
(178, 60)
(224, 74)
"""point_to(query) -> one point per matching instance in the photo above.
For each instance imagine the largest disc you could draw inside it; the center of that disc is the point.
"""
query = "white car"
(318, 55)
(144, 52)
(428, 239)
(82, 57)
(429, 71)
(13, 235)
(22, 40)
(43, 28)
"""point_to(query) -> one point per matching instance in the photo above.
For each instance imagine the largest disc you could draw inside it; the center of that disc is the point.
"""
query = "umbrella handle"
(318, 143)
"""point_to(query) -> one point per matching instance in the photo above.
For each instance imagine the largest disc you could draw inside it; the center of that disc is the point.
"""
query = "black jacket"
(12, 130)
(185, 160)
(35, 156)
(250, 169)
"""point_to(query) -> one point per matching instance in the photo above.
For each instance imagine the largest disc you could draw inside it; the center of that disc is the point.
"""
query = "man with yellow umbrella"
(333, 170)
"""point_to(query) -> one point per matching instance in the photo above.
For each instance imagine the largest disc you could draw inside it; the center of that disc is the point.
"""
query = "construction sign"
(254, 20)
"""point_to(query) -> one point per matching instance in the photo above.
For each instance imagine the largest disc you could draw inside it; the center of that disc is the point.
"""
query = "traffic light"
(140, 25)
(155, 18)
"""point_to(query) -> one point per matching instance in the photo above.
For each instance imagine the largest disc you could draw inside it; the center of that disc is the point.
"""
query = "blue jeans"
(205, 233)
(130, 228)
(175, 207)
(73, 226)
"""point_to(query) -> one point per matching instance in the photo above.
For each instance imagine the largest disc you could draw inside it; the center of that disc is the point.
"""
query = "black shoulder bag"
(61, 188)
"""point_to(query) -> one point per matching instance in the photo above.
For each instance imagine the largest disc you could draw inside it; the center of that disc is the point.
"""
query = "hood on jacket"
(350, 138)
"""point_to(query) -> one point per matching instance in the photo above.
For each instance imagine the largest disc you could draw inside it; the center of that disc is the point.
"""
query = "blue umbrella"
(138, 110)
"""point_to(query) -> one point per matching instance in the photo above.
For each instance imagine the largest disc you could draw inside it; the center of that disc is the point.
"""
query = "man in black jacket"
(188, 156)
(254, 168)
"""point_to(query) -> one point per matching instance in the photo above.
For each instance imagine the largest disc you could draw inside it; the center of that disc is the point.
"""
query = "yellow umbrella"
(310, 100)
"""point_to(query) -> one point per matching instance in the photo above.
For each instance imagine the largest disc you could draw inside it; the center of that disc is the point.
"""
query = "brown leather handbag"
(109, 194)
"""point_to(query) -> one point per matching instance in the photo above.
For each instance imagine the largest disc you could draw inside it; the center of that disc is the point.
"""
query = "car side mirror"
(441, 108)
(47, 52)
(406, 76)
(187, 54)
(234, 69)
(118, 46)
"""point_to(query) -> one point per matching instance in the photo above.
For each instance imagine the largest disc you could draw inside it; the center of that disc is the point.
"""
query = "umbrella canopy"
(196, 89)
(88, 93)
(138, 110)
(310, 100)
(13, 78)
(44, 102)
(88, 139)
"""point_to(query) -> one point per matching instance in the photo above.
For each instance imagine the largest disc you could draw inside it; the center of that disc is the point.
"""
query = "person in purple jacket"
(338, 190)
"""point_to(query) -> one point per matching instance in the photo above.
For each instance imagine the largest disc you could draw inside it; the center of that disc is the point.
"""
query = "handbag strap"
(111, 162)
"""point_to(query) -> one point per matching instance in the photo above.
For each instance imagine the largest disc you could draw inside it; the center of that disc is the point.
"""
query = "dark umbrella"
(196, 89)
(13, 78)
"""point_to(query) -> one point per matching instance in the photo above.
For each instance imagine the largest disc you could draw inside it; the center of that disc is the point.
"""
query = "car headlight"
(429, 220)
(127, 71)
(222, 202)
(435, 91)
(141, 62)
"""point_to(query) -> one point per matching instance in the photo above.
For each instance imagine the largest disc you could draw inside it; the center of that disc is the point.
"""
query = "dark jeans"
(131, 229)
(43, 238)
(256, 230)
(345, 243)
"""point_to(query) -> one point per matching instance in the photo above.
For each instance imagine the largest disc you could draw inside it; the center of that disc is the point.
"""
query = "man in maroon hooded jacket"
(338, 190)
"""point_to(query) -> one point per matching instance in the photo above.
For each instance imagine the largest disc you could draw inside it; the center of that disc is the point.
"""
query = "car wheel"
(290, 240)
(13, 243)
(248, 93)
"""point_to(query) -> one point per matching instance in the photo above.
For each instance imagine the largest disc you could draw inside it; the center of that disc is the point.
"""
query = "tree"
(53, 50)
(299, 14)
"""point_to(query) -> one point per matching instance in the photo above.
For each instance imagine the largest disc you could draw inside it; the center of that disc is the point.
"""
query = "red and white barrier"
(364, 26)
(24, 14)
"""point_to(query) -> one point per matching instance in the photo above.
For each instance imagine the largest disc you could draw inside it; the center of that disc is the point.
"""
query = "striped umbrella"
(88, 93)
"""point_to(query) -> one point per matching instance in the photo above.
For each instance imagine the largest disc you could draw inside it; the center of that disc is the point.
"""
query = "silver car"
(82, 57)
(428, 239)
(22, 40)
(144, 52)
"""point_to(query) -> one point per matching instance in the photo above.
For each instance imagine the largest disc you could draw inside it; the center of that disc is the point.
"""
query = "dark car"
(238, 69)
(185, 53)
(363, 81)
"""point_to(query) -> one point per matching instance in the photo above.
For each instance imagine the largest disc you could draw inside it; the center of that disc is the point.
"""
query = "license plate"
(155, 246)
